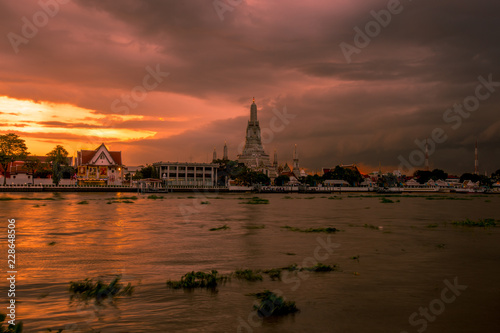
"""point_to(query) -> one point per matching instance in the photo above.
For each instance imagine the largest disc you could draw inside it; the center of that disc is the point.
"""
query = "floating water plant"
(17, 328)
(224, 227)
(205, 202)
(84, 202)
(370, 226)
(51, 243)
(251, 227)
(385, 200)
(319, 267)
(355, 257)
(335, 198)
(154, 197)
(194, 280)
(328, 230)
(479, 223)
(432, 225)
(273, 305)
(256, 201)
(291, 268)
(247, 274)
(98, 290)
(274, 273)
(24, 198)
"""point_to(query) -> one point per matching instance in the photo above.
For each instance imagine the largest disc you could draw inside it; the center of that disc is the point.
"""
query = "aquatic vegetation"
(154, 197)
(441, 246)
(51, 243)
(6, 199)
(256, 201)
(84, 202)
(335, 198)
(287, 197)
(127, 201)
(194, 280)
(355, 257)
(290, 254)
(291, 268)
(273, 305)
(370, 226)
(432, 225)
(446, 198)
(319, 267)
(310, 198)
(120, 198)
(37, 199)
(205, 203)
(224, 227)
(98, 290)
(191, 197)
(385, 200)
(247, 274)
(18, 328)
(274, 273)
(328, 230)
(252, 227)
(479, 223)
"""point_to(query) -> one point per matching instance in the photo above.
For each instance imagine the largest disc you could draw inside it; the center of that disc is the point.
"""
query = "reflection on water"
(401, 265)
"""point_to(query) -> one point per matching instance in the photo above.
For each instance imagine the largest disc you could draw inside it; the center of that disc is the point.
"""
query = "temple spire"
(476, 161)
(253, 111)
(215, 155)
(225, 157)
(426, 156)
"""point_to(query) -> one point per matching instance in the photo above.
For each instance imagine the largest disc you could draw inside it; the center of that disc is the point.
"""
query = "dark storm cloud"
(395, 91)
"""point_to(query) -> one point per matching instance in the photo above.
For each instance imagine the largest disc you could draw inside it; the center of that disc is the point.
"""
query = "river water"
(409, 253)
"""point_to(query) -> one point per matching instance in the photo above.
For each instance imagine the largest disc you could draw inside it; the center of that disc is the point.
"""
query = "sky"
(364, 82)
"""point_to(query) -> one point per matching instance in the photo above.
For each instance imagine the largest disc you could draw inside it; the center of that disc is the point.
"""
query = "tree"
(148, 171)
(12, 148)
(495, 176)
(313, 180)
(438, 174)
(340, 173)
(32, 164)
(59, 159)
(483, 180)
(281, 180)
(422, 176)
(228, 169)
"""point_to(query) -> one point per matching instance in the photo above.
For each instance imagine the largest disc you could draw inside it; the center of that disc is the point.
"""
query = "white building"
(187, 174)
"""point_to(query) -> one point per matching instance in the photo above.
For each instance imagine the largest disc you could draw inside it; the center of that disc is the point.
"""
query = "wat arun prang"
(254, 156)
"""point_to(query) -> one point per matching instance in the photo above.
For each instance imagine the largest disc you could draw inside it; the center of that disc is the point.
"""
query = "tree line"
(13, 148)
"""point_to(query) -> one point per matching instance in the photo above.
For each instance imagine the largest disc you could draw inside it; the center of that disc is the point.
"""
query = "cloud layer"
(285, 53)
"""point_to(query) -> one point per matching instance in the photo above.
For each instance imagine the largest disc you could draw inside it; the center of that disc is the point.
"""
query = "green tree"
(353, 177)
(313, 180)
(58, 157)
(33, 164)
(495, 176)
(438, 174)
(12, 148)
(148, 171)
(422, 176)
(483, 180)
(281, 180)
